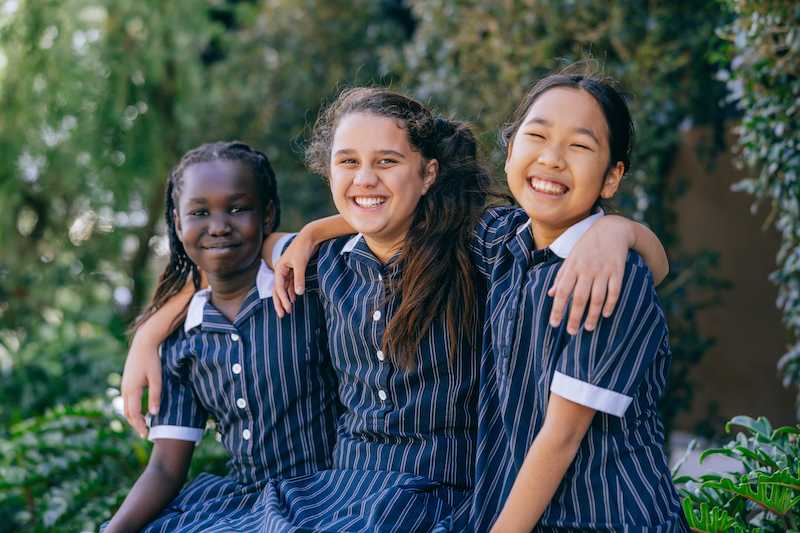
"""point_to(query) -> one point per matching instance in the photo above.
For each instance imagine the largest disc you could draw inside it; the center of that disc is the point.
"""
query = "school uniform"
(404, 456)
(619, 480)
(268, 385)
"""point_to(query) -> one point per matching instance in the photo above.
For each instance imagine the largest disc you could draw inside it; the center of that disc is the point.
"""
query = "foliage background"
(101, 97)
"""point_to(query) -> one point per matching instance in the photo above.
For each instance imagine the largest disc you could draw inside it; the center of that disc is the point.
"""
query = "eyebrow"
(583, 131)
(347, 151)
(232, 197)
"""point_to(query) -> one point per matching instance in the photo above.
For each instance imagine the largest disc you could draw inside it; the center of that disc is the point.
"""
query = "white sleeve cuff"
(277, 251)
(590, 395)
(175, 432)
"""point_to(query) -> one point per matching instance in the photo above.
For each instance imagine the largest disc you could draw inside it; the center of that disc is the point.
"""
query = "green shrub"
(761, 65)
(763, 496)
(68, 469)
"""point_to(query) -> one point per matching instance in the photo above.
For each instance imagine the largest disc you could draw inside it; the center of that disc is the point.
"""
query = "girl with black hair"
(570, 436)
(265, 381)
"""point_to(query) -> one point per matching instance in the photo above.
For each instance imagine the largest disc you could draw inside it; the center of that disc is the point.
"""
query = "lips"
(220, 246)
(547, 186)
(369, 202)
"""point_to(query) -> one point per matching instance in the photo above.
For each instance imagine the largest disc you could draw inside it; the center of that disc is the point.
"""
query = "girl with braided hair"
(265, 381)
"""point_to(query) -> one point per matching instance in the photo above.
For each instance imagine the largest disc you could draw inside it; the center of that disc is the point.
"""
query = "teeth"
(547, 187)
(368, 201)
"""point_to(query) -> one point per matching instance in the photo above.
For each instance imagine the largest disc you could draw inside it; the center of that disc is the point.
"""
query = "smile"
(369, 201)
(544, 186)
(221, 246)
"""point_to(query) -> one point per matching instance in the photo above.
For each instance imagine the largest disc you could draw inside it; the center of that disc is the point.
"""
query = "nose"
(550, 156)
(365, 177)
(218, 224)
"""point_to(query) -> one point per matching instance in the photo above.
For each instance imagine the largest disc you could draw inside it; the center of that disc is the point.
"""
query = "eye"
(198, 212)
(239, 209)
(581, 146)
(534, 135)
(349, 162)
(386, 161)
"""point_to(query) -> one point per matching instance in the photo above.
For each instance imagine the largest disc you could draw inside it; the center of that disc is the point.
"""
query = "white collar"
(351, 243)
(565, 242)
(265, 279)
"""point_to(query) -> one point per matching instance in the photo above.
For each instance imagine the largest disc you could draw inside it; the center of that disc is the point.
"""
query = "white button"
(382, 395)
(246, 434)
(380, 278)
(380, 355)
(376, 316)
(237, 368)
(240, 403)
(234, 337)
(218, 436)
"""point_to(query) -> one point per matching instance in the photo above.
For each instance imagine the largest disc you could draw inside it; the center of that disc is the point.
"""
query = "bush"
(763, 496)
(68, 469)
(761, 66)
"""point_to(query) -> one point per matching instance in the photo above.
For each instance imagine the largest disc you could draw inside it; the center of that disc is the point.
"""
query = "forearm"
(647, 244)
(154, 489)
(548, 459)
(545, 465)
(318, 231)
(161, 323)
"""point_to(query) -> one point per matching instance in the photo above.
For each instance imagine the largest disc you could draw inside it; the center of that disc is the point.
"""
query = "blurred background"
(100, 98)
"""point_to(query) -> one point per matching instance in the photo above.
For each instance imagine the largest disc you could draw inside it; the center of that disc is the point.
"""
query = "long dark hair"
(438, 274)
(606, 91)
(180, 267)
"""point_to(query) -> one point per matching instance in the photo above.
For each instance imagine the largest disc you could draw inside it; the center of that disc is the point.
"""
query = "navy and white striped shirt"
(266, 381)
(420, 421)
(619, 479)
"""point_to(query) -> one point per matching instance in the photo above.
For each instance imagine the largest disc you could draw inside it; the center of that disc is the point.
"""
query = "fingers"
(133, 411)
(561, 291)
(598, 296)
(281, 298)
(614, 287)
(154, 393)
(580, 297)
(300, 276)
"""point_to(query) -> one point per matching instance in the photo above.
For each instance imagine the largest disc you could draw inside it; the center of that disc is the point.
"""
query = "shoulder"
(175, 342)
(501, 220)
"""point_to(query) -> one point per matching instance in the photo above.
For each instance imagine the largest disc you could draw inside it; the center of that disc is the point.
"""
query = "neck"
(228, 291)
(385, 249)
(545, 233)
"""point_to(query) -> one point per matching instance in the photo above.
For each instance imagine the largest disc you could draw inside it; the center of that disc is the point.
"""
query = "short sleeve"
(490, 235)
(180, 416)
(603, 369)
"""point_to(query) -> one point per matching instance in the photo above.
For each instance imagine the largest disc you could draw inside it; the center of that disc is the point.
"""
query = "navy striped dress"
(619, 480)
(268, 384)
(405, 449)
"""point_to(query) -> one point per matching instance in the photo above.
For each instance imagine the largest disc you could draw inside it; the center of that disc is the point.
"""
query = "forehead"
(217, 177)
(369, 132)
(569, 108)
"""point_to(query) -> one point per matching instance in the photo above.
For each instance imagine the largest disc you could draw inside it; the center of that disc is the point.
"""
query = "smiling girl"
(570, 432)
(265, 381)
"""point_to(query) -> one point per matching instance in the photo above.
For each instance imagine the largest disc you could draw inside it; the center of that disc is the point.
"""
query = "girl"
(265, 381)
(403, 309)
(570, 436)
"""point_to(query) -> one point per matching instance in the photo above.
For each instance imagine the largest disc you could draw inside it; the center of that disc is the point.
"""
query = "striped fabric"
(404, 456)
(268, 384)
(619, 480)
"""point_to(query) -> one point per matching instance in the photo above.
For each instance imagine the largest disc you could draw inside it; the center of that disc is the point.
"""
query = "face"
(377, 178)
(557, 161)
(219, 217)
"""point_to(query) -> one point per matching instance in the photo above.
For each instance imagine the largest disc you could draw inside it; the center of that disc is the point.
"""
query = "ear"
(612, 180)
(177, 220)
(508, 155)
(430, 174)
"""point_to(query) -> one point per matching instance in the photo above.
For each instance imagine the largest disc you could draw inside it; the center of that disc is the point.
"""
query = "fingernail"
(141, 435)
(154, 410)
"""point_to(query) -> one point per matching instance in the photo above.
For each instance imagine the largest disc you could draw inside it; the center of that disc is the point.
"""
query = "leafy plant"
(68, 469)
(761, 66)
(763, 496)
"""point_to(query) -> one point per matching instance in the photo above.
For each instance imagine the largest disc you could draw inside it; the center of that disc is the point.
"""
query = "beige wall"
(739, 372)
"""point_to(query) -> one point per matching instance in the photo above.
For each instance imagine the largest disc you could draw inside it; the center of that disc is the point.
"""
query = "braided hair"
(180, 267)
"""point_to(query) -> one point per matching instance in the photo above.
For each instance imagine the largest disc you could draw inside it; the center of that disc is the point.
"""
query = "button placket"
(239, 387)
